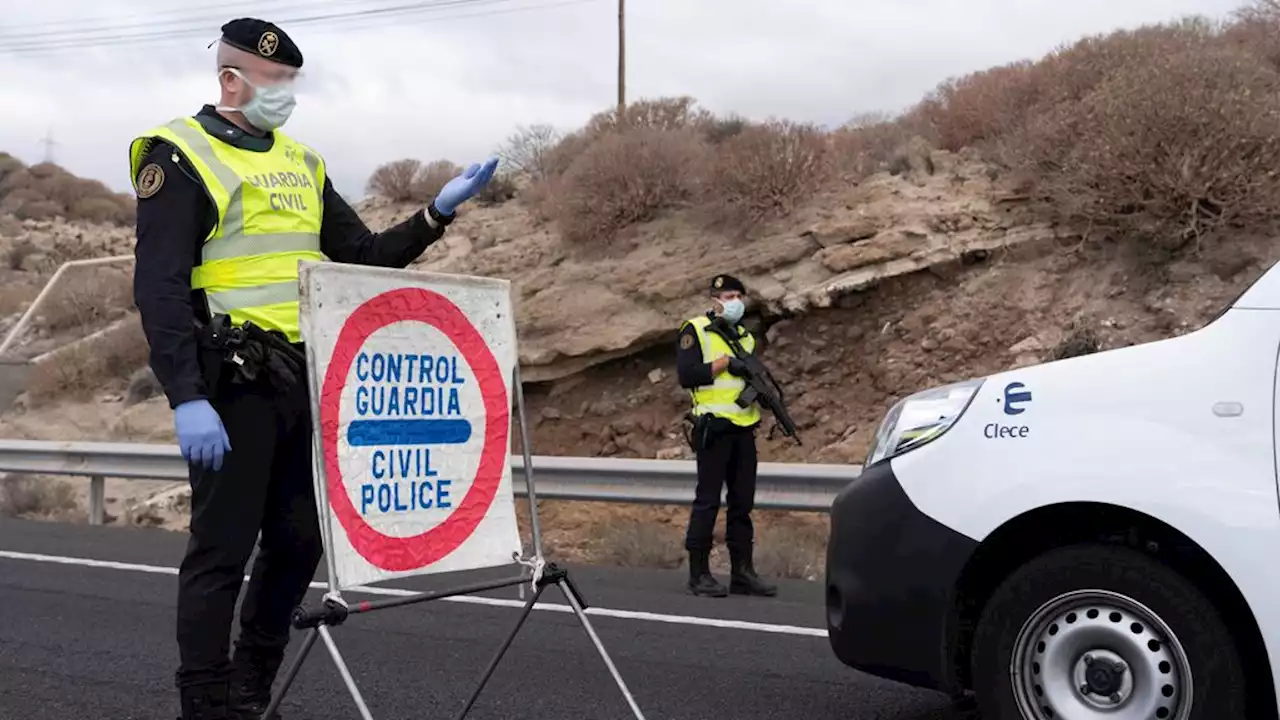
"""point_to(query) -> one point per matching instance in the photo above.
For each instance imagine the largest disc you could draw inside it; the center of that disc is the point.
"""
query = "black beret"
(263, 39)
(726, 283)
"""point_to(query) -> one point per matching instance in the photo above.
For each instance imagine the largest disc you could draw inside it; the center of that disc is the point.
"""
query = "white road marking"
(466, 599)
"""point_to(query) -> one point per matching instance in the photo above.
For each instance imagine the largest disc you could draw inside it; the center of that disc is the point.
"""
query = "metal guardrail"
(779, 486)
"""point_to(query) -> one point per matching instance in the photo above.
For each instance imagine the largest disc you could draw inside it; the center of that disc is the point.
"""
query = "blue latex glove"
(201, 435)
(464, 186)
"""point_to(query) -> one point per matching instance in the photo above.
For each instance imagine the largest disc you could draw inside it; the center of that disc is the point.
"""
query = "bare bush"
(791, 547)
(46, 191)
(92, 297)
(106, 361)
(625, 178)
(640, 544)
(395, 180)
(1168, 148)
(866, 145)
(9, 165)
(664, 113)
(431, 178)
(1081, 339)
(980, 106)
(716, 130)
(768, 168)
(28, 496)
(526, 151)
(499, 190)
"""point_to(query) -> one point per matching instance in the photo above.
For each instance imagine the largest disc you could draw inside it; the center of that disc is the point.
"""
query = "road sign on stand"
(413, 376)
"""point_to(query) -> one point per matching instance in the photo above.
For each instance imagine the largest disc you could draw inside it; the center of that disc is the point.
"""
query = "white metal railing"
(21, 325)
(779, 486)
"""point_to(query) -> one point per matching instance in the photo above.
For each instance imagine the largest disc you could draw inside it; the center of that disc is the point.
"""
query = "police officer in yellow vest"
(227, 206)
(723, 437)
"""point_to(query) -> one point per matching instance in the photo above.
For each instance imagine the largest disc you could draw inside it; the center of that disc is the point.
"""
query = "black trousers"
(265, 485)
(728, 460)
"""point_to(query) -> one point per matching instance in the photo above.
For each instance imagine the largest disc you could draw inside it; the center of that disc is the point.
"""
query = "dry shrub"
(527, 151)
(394, 180)
(626, 178)
(102, 362)
(642, 544)
(9, 165)
(666, 113)
(766, 169)
(791, 546)
(92, 296)
(99, 210)
(499, 190)
(16, 295)
(410, 180)
(1081, 339)
(866, 145)
(28, 496)
(46, 191)
(1169, 147)
(980, 106)
(432, 177)
(716, 130)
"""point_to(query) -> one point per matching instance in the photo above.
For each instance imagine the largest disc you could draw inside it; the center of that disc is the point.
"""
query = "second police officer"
(723, 437)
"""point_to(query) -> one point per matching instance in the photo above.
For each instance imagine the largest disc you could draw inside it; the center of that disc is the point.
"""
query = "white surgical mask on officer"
(732, 309)
(270, 106)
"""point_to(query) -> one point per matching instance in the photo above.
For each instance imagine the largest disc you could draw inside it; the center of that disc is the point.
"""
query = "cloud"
(454, 83)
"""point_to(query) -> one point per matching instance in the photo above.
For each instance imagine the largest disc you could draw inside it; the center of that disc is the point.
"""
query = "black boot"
(743, 579)
(253, 671)
(701, 581)
(205, 702)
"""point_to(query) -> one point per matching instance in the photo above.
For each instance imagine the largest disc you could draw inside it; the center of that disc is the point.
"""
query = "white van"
(1096, 537)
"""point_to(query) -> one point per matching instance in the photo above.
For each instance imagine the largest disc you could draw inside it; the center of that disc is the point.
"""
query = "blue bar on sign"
(430, 431)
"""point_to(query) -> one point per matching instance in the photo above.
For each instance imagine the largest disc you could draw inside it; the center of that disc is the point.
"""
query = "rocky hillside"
(982, 230)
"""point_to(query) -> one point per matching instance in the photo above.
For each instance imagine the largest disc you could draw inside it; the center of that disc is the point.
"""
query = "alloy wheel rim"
(1094, 654)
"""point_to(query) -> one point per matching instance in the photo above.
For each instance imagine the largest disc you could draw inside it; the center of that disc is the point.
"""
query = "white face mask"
(270, 107)
(733, 310)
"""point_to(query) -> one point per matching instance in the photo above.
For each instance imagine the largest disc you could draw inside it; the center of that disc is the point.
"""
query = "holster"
(697, 431)
(247, 355)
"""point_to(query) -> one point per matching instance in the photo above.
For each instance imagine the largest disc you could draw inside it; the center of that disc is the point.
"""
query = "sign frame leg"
(544, 575)
(334, 609)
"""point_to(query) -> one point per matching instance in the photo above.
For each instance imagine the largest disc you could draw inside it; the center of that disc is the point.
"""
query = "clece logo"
(1016, 399)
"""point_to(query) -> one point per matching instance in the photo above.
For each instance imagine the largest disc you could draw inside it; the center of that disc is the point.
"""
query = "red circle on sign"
(418, 305)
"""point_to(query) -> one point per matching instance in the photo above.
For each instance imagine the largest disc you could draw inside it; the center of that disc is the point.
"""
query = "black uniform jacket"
(172, 225)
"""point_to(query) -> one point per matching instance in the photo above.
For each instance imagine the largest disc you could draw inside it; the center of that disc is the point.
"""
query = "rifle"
(761, 385)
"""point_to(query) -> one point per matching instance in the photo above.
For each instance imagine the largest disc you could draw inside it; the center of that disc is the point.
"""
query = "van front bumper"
(890, 583)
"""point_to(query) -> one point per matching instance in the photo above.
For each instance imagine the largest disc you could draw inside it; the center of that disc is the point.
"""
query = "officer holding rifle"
(716, 362)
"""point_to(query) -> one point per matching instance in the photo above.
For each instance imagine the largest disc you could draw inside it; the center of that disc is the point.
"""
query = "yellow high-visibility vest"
(269, 211)
(719, 397)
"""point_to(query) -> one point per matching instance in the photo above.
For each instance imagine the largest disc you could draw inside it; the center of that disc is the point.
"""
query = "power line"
(151, 23)
(348, 21)
(210, 25)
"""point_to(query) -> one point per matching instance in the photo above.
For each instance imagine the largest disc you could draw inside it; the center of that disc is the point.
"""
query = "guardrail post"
(97, 499)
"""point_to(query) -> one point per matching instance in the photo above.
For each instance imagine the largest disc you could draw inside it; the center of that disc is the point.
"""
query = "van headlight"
(921, 417)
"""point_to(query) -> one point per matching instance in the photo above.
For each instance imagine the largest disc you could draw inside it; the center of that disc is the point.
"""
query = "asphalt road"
(95, 640)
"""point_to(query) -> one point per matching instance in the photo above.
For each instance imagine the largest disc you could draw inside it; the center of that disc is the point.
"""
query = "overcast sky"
(455, 81)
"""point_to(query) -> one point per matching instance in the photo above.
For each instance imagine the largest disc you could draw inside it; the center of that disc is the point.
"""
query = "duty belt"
(251, 353)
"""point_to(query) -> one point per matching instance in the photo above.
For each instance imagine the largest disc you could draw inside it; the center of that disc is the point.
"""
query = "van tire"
(1217, 673)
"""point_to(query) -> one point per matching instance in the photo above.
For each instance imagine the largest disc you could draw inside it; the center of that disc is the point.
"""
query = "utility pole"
(622, 58)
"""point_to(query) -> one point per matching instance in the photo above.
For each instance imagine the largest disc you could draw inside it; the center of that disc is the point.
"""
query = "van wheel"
(1094, 631)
